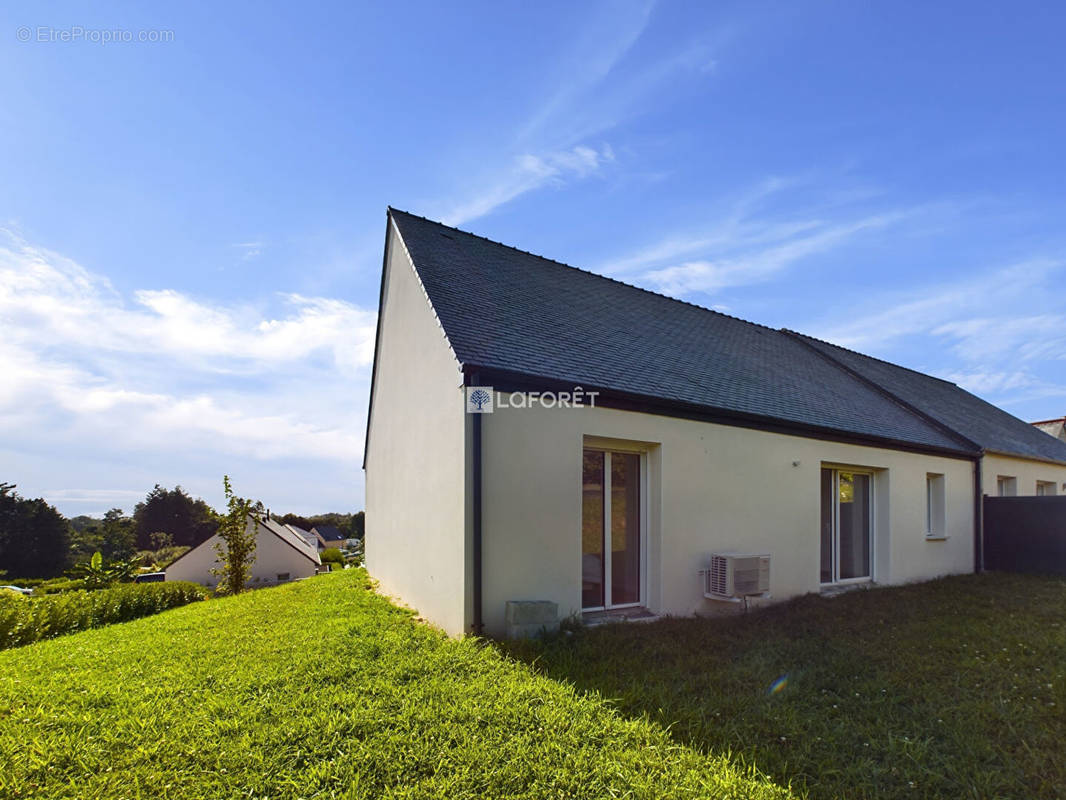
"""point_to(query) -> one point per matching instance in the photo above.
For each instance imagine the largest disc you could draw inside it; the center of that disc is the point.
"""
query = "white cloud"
(597, 83)
(748, 241)
(995, 331)
(48, 299)
(594, 54)
(1022, 338)
(991, 382)
(249, 250)
(527, 173)
(163, 374)
(96, 496)
(960, 310)
(800, 240)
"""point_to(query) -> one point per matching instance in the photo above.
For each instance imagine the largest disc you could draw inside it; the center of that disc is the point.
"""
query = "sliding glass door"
(847, 526)
(610, 529)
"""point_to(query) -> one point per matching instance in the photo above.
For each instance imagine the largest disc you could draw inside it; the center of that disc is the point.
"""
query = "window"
(611, 540)
(283, 576)
(847, 526)
(1045, 488)
(934, 506)
(1006, 486)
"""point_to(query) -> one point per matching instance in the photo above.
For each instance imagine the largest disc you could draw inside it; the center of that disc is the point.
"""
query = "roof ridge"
(392, 209)
(872, 358)
(906, 405)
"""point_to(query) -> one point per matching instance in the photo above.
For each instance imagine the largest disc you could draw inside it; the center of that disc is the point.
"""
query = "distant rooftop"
(1054, 427)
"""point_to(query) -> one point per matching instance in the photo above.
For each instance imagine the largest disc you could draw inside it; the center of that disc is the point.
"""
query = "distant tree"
(297, 520)
(358, 527)
(34, 537)
(118, 536)
(236, 541)
(114, 536)
(173, 511)
(160, 539)
(85, 541)
(83, 522)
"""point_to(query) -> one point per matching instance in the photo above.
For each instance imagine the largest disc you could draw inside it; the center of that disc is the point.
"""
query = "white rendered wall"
(711, 487)
(416, 503)
(1027, 473)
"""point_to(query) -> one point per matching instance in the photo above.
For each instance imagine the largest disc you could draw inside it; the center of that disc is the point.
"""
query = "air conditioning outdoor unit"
(737, 575)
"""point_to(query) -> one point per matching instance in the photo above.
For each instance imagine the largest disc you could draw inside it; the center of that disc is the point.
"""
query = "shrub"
(332, 555)
(97, 572)
(58, 586)
(25, 620)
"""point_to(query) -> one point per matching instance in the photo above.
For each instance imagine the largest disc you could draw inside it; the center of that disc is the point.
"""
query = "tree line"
(36, 541)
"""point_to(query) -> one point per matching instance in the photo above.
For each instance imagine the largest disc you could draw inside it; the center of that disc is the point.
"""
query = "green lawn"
(951, 689)
(320, 689)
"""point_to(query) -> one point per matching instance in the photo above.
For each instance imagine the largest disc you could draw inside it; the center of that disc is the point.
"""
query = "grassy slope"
(318, 689)
(955, 688)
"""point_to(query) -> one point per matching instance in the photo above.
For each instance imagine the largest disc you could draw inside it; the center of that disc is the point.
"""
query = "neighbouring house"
(280, 556)
(307, 536)
(328, 536)
(697, 433)
(1056, 427)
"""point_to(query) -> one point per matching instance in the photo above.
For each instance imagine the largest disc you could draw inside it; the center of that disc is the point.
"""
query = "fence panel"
(1025, 534)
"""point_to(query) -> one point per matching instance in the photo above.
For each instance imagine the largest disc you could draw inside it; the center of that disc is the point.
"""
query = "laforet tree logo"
(479, 399)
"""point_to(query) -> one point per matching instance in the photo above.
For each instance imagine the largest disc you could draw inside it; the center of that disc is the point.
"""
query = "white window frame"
(1042, 488)
(935, 506)
(838, 581)
(642, 519)
(1009, 482)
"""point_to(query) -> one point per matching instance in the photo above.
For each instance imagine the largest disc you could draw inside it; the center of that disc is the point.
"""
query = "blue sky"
(192, 228)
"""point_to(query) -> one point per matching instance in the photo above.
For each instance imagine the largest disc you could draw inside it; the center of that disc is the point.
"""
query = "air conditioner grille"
(719, 576)
(746, 579)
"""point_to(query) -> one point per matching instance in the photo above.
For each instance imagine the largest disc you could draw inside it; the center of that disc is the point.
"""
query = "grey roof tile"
(981, 422)
(506, 309)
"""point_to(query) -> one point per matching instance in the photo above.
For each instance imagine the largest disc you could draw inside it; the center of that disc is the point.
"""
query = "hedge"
(24, 620)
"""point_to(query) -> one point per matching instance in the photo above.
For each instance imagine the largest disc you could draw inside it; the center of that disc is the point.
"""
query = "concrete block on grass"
(527, 618)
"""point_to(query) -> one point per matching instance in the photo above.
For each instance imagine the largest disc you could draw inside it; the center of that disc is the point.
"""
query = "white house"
(280, 555)
(697, 433)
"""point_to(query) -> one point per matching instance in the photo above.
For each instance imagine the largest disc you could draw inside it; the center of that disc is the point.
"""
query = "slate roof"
(329, 533)
(505, 309)
(990, 427)
(307, 536)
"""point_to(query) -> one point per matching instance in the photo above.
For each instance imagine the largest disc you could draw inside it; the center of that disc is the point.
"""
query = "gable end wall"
(416, 506)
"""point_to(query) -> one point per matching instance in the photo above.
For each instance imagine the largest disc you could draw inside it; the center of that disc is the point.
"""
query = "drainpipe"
(978, 518)
(476, 479)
